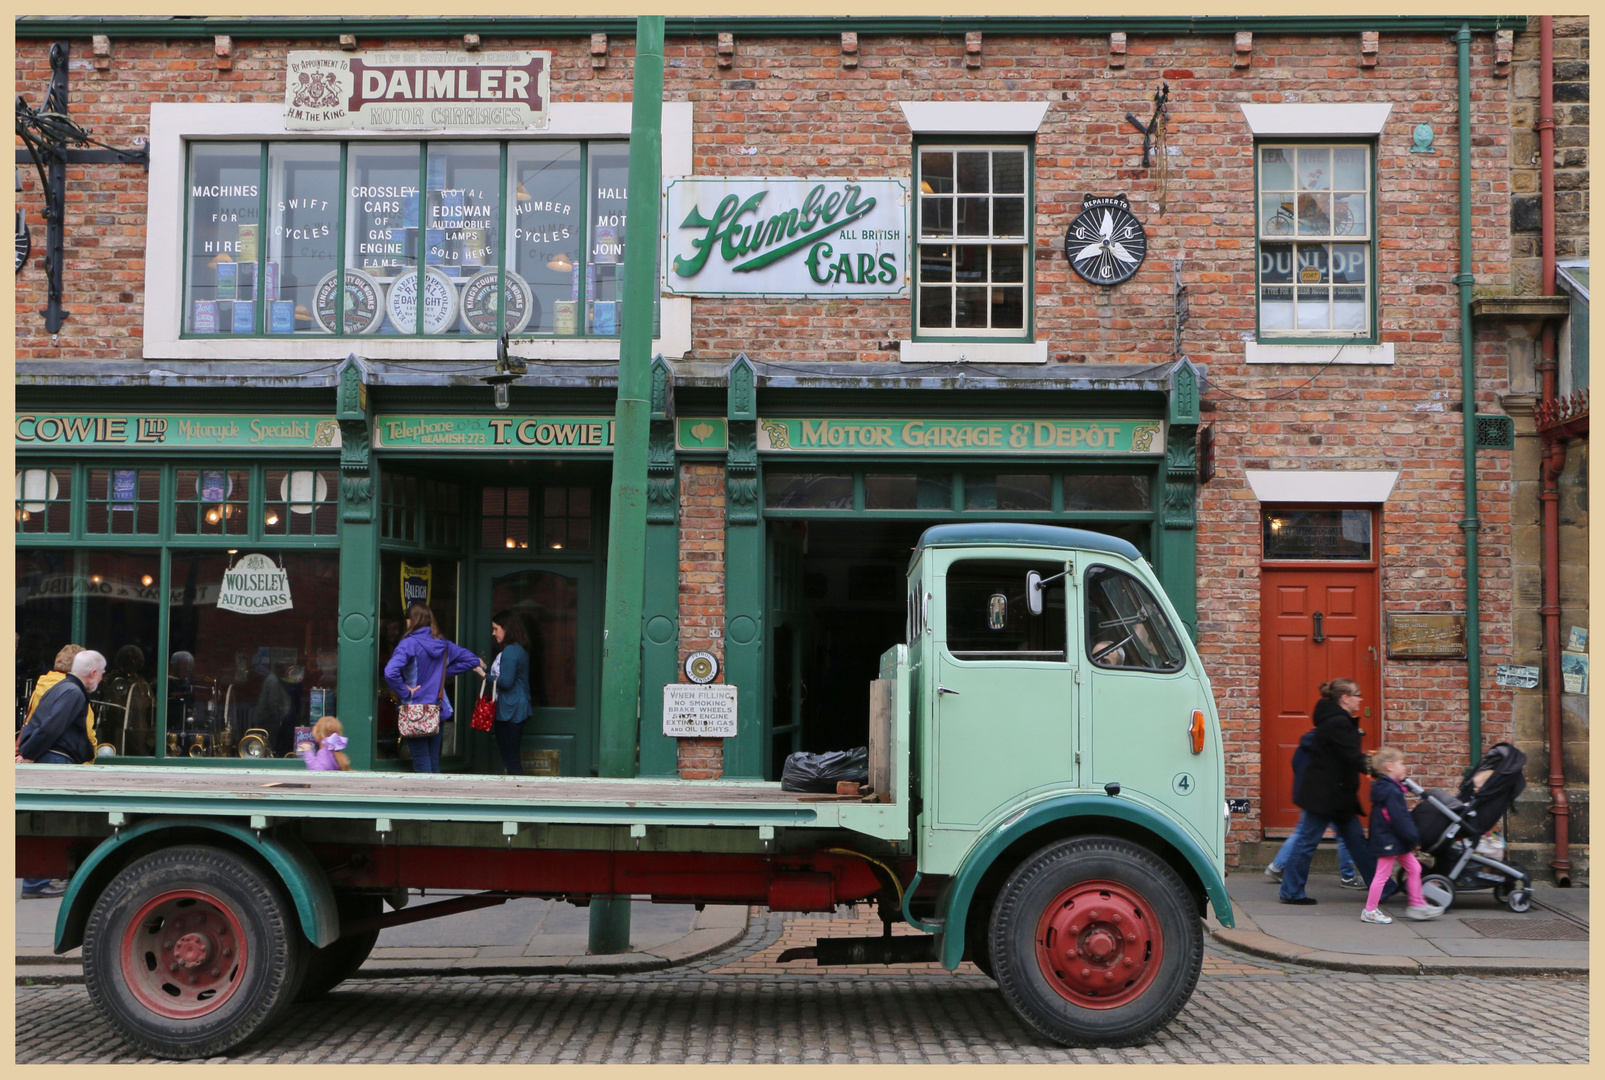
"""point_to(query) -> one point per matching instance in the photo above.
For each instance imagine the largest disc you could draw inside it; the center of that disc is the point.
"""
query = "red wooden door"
(1296, 658)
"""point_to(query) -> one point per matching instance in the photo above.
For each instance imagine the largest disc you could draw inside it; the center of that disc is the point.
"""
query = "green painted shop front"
(827, 488)
(411, 492)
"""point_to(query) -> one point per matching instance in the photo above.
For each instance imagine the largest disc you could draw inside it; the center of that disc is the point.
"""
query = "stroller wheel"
(1508, 887)
(1519, 900)
(1439, 890)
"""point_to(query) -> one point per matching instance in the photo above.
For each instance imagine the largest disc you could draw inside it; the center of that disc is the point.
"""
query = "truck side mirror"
(1033, 592)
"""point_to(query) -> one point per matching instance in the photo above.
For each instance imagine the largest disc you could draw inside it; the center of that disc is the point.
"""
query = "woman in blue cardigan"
(511, 670)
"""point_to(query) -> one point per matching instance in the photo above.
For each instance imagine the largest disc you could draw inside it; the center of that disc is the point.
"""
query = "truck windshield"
(1126, 628)
(987, 616)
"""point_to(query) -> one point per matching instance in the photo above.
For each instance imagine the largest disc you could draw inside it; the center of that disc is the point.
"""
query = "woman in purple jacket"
(417, 672)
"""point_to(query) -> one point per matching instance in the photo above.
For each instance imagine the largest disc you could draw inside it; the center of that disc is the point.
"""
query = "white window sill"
(1381, 354)
(973, 352)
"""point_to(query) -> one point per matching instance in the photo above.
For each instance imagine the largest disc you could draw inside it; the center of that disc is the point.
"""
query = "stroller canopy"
(1490, 788)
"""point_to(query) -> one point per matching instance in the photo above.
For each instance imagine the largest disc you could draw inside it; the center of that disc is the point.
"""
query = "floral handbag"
(414, 721)
(484, 710)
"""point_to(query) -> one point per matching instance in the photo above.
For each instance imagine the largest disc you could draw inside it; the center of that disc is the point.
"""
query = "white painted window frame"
(958, 119)
(172, 125)
(1337, 121)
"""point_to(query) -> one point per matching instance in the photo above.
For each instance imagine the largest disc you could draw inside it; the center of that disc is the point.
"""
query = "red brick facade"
(702, 596)
(793, 107)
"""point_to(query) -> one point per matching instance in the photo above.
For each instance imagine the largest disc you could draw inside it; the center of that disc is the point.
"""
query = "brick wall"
(790, 107)
(702, 596)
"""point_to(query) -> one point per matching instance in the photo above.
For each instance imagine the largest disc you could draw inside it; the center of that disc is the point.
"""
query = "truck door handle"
(1319, 637)
(940, 689)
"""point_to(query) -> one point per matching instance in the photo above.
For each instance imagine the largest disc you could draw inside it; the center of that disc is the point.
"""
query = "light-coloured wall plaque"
(707, 712)
(1417, 635)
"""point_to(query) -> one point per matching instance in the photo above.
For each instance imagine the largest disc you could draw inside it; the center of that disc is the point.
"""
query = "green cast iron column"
(744, 570)
(626, 555)
(359, 572)
(1468, 404)
(626, 548)
(660, 616)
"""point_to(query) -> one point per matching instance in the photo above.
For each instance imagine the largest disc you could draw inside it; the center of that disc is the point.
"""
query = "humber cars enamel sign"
(785, 237)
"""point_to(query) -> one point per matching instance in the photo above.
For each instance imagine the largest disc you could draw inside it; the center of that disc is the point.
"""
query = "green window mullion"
(501, 243)
(581, 323)
(78, 502)
(340, 248)
(163, 618)
(258, 291)
(956, 504)
(1056, 494)
(80, 599)
(254, 505)
(858, 492)
(184, 303)
(423, 237)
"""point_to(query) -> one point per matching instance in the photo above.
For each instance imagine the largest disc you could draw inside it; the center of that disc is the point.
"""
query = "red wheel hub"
(1099, 944)
(184, 954)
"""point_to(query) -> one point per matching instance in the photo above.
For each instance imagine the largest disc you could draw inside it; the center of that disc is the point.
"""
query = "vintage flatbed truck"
(1046, 799)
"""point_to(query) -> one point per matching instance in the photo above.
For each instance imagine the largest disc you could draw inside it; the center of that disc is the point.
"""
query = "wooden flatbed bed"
(232, 792)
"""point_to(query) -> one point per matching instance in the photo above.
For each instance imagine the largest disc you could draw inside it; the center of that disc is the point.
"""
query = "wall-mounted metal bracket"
(49, 138)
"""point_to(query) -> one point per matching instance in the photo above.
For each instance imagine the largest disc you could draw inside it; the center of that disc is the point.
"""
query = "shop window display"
(252, 655)
(441, 239)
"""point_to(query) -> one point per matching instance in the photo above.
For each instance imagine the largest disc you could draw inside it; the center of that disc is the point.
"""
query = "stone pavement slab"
(1329, 933)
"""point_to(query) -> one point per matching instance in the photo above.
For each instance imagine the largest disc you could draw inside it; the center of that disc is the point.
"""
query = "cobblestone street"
(737, 1007)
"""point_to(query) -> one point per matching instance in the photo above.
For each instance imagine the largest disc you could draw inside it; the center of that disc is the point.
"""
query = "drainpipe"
(1468, 401)
(1554, 462)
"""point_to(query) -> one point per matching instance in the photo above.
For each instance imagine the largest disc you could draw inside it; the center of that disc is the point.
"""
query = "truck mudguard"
(303, 878)
(962, 888)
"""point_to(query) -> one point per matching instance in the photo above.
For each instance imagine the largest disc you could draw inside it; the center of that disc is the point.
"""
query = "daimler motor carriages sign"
(785, 237)
(416, 91)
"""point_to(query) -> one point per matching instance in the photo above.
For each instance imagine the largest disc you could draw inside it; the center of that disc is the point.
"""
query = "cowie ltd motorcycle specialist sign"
(785, 237)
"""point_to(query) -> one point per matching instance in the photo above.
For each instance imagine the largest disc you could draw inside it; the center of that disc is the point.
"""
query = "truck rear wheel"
(191, 951)
(1096, 942)
(332, 965)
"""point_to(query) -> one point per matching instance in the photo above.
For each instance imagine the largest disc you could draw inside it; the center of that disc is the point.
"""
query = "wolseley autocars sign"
(416, 91)
(785, 237)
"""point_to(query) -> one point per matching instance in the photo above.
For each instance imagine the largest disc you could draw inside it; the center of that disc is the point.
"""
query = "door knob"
(940, 689)
(1319, 636)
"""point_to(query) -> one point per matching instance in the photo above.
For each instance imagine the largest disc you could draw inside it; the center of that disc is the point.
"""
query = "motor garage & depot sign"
(785, 237)
(416, 91)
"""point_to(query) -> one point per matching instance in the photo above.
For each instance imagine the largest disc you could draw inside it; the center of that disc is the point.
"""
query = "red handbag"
(484, 711)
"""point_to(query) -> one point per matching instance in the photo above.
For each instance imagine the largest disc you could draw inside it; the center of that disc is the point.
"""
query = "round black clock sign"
(1106, 243)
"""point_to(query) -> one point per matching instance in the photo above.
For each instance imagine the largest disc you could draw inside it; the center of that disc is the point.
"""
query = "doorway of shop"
(1319, 621)
(557, 604)
(835, 605)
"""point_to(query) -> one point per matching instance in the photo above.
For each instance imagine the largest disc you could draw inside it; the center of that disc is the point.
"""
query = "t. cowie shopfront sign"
(416, 91)
(785, 237)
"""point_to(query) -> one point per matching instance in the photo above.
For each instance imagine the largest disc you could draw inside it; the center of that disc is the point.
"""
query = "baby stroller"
(1450, 828)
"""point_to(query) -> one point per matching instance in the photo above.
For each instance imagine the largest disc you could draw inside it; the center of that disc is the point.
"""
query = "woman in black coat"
(1329, 791)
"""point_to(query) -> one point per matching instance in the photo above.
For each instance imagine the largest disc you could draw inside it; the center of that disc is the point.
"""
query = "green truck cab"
(1045, 799)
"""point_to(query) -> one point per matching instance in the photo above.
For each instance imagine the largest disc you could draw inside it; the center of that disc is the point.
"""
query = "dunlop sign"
(416, 91)
(1013, 436)
(785, 237)
(568, 434)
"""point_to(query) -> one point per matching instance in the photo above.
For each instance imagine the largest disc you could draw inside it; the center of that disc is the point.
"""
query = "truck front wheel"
(191, 951)
(1095, 942)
